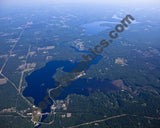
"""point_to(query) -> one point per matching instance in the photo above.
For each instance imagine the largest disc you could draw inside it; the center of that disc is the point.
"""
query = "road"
(6, 60)
(97, 121)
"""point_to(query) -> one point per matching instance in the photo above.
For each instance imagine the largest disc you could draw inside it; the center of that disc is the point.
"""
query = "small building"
(63, 116)
(69, 114)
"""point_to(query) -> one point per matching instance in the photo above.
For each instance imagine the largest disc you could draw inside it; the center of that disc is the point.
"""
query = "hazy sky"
(119, 3)
(91, 1)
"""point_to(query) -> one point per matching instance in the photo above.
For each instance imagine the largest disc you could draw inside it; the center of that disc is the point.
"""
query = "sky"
(84, 1)
(115, 3)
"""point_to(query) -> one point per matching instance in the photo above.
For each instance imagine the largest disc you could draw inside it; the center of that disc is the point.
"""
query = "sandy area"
(3, 81)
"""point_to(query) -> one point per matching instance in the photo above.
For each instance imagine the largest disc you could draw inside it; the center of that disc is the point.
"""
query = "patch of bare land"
(19, 28)
(79, 44)
(13, 55)
(65, 26)
(149, 52)
(32, 53)
(29, 23)
(155, 51)
(12, 40)
(5, 34)
(21, 57)
(3, 56)
(6, 110)
(119, 83)
(46, 48)
(49, 58)
(3, 81)
(121, 61)
(5, 18)
(27, 66)
(31, 65)
(56, 37)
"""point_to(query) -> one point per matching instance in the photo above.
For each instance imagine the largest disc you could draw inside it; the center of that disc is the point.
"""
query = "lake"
(98, 26)
(41, 80)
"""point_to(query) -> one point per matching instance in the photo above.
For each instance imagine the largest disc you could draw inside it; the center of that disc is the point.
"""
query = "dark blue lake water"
(41, 80)
(98, 26)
